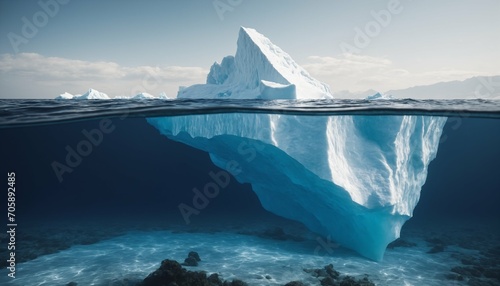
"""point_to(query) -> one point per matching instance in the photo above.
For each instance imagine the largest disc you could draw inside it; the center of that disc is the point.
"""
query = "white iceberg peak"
(284, 65)
(93, 94)
(258, 66)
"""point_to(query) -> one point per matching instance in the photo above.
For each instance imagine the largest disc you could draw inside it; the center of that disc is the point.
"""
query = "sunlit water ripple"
(31, 112)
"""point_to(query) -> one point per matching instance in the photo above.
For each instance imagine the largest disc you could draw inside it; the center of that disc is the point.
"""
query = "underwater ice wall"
(356, 179)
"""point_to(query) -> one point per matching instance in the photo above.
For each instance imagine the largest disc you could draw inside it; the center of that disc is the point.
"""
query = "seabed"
(259, 251)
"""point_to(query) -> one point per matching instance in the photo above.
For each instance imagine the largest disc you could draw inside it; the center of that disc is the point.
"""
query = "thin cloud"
(32, 75)
(360, 72)
(77, 75)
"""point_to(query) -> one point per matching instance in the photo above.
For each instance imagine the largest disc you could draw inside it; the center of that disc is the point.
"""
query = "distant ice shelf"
(92, 94)
(89, 95)
(355, 179)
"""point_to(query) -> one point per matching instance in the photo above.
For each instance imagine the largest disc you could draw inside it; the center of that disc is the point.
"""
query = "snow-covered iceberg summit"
(354, 179)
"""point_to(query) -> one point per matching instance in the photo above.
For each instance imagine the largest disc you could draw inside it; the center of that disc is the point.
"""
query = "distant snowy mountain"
(485, 87)
(259, 69)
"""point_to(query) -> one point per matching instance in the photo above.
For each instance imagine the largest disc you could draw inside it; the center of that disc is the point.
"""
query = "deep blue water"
(136, 168)
(136, 178)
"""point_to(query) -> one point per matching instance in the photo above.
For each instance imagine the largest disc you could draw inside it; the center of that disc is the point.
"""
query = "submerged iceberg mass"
(354, 179)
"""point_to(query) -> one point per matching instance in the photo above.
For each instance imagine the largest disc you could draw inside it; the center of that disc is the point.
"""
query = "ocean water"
(115, 216)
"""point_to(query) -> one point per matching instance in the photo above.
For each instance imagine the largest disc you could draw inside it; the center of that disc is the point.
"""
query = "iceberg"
(354, 179)
(90, 94)
(258, 66)
(95, 94)
(140, 96)
(144, 95)
(163, 95)
(65, 95)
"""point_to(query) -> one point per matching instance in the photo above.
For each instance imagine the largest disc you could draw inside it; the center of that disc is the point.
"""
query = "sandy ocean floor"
(270, 252)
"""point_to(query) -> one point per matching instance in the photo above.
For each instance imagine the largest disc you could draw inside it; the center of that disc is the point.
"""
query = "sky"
(122, 48)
